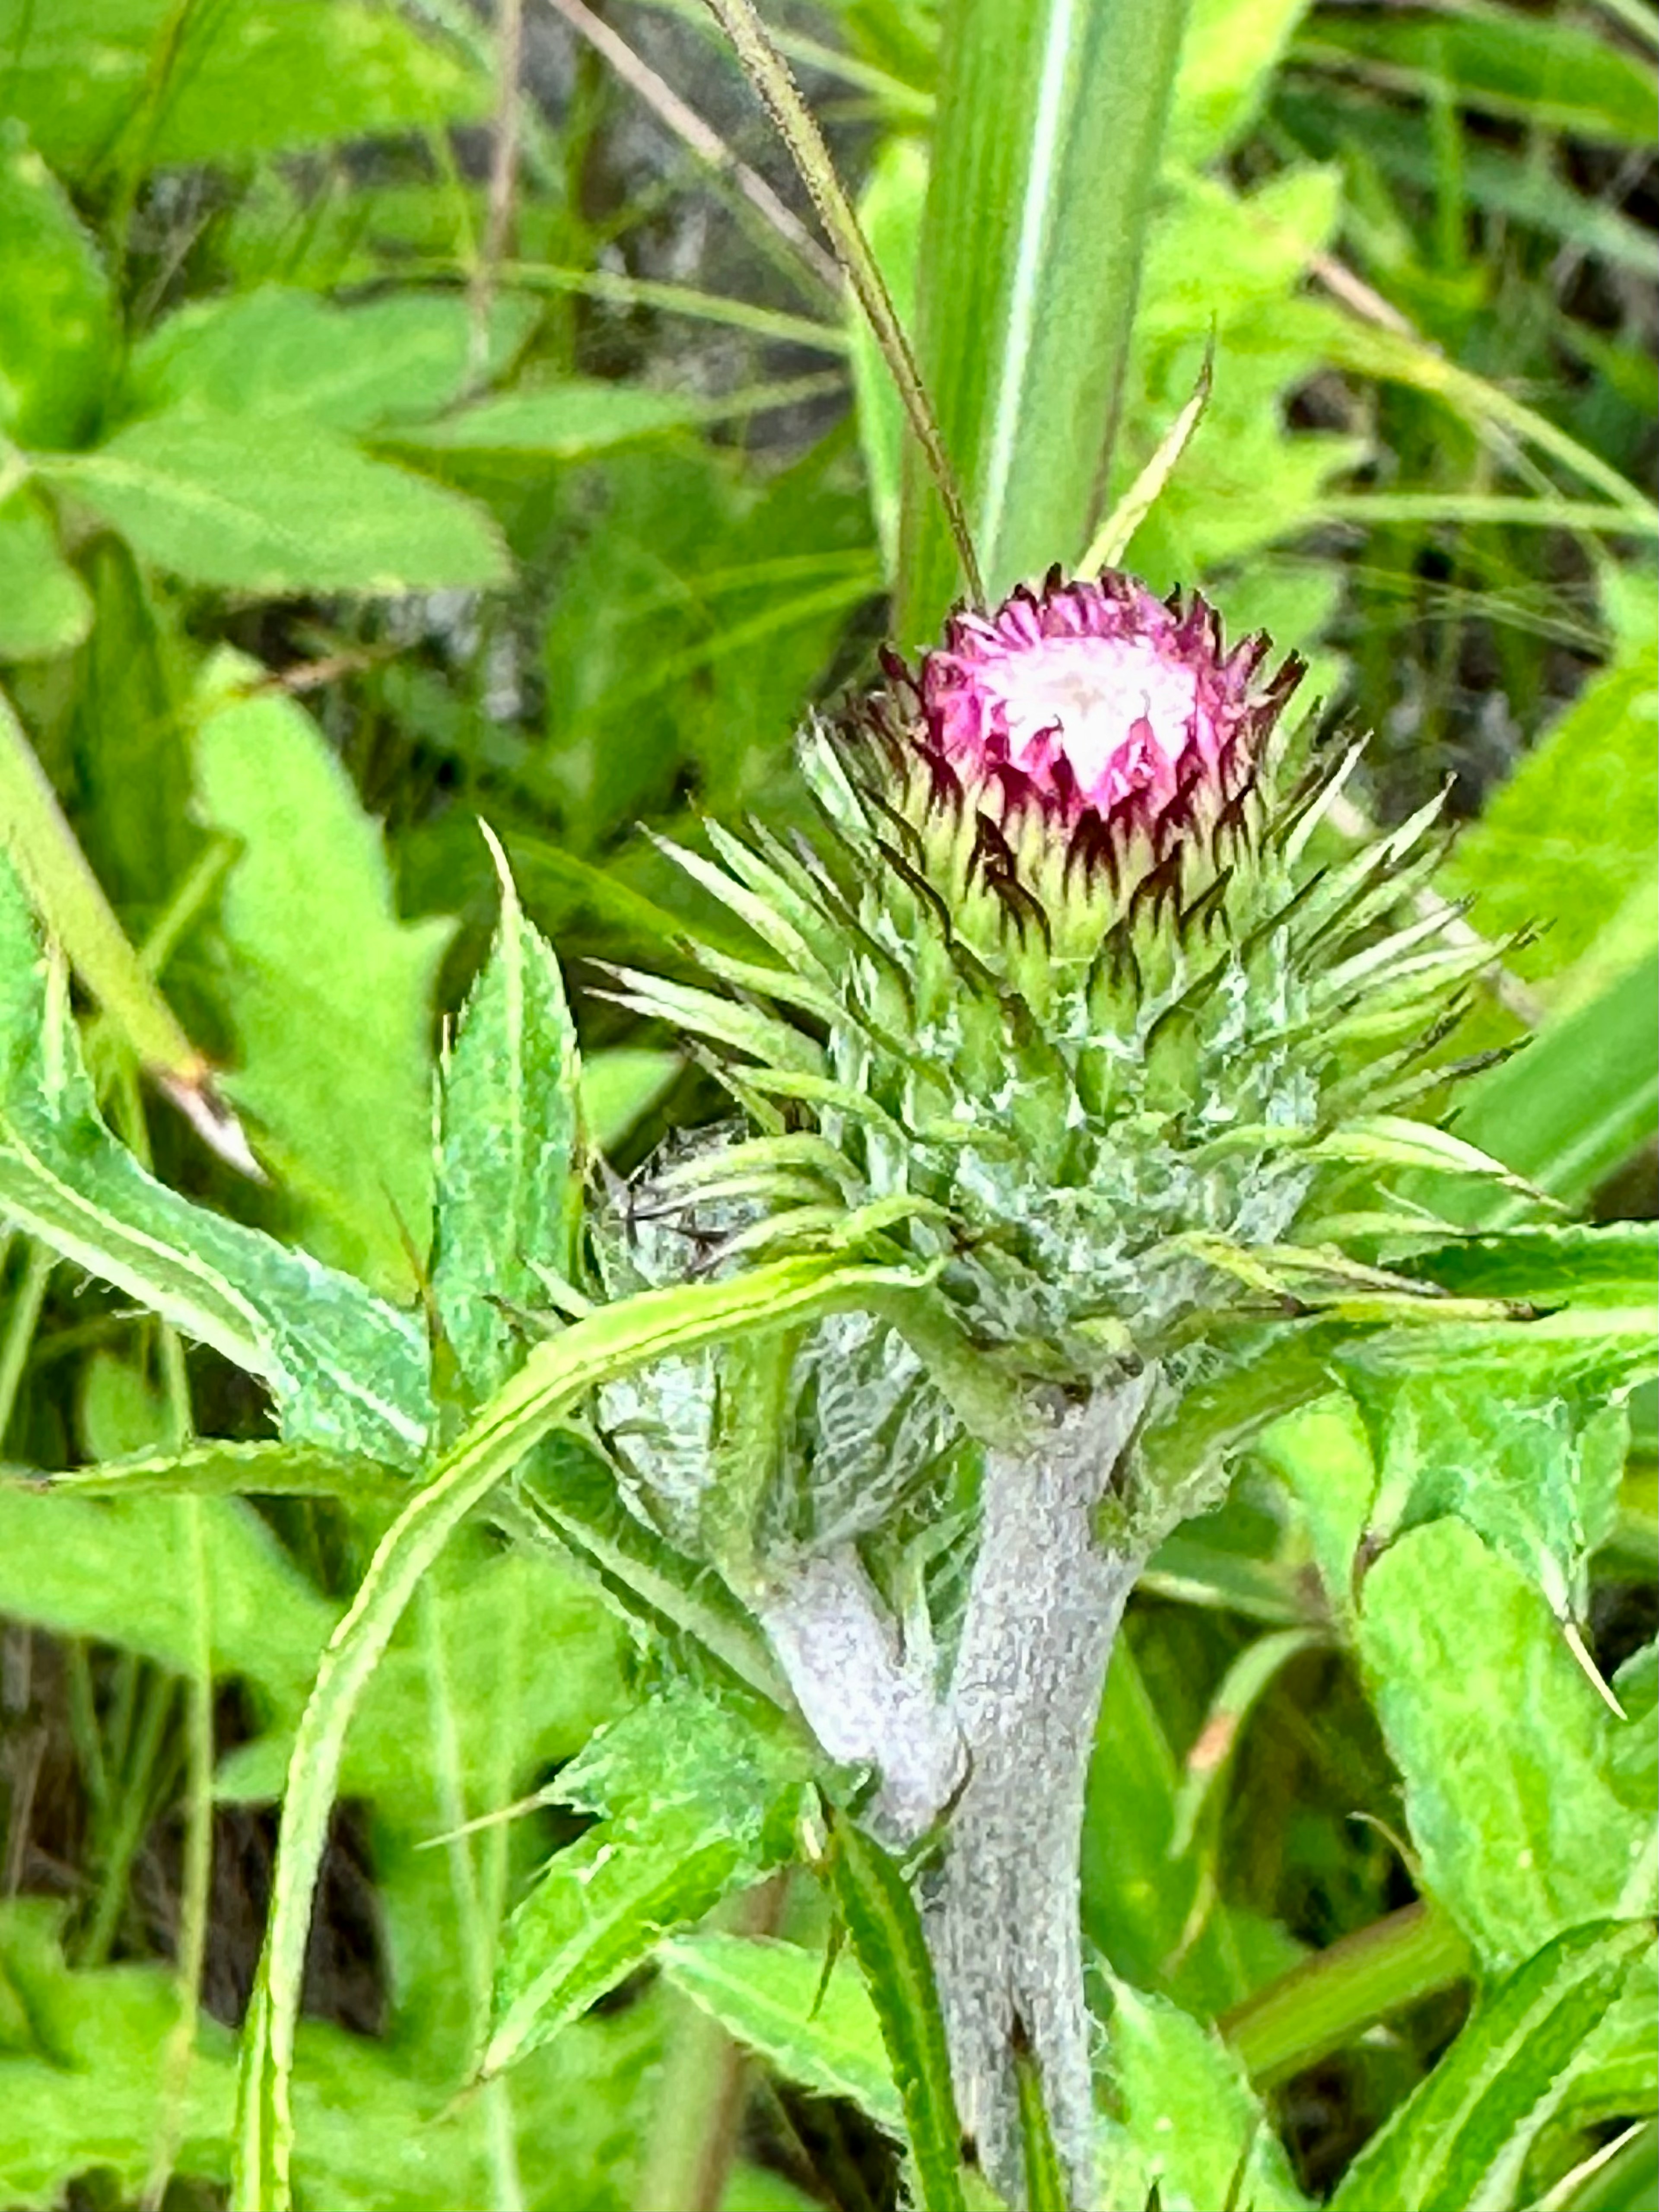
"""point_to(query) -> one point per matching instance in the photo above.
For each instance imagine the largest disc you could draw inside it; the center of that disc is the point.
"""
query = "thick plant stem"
(1002, 1914)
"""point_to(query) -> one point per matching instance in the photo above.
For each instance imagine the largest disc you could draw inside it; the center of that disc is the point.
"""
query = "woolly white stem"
(1002, 1916)
(868, 1701)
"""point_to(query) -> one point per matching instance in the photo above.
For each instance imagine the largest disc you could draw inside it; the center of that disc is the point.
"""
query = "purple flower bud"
(1092, 708)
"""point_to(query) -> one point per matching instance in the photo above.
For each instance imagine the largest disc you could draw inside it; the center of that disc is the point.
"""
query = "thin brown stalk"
(768, 72)
(703, 140)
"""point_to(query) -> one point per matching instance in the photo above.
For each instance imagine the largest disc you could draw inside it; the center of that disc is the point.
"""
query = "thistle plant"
(1059, 1019)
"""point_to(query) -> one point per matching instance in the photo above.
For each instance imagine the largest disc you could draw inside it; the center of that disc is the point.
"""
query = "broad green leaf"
(884, 1930)
(330, 995)
(1507, 1753)
(43, 606)
(292, 508)
(555, 1377)
(1047, 137)
(54, 301)
(1462, 2139)
(1321, 1455)
(567, 421)
(1554, 73)
(253, 76)
(1587, 1269)
(348, 1372)
(109, 1571)
(773, 1996)
(620, 1087)
(1571, 1108)
(1560, 852)
(275, 354)
(1533, 1464)
(697, 1802)
(509, 1167)
(1183, 2118)
(79, 2081)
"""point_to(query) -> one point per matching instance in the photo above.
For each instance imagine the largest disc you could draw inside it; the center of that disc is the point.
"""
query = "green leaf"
(555, 1377)
(1229, 56)
(1046, 151)
(620, 1087)
(1531, 1461)
(1587, 1269)
(217, 1469)
(348, 1371)
(698, 1802)
(44, 608)
(1571, 1108)
(509, 1168)
(1507, 1753)
(1323, 1456)
(1559, 852)
(890, 211)
(275, 354)
(1463, 2138)
(294, 508)
(1183, 2118)
(254, 76)
(884, 1930)
(1555, 75)
(567, 421)
(330, 996)
(54, 302)
(772, 1997)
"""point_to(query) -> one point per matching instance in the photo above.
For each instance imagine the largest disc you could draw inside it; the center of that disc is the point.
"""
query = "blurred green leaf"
(1561, 851)
(277, 353)
(890, 211)
(774, 1997)
(1228, 59)
(696, 1802)
(568, 422)
(1555, 74)
(137, 84)
(509, 1190)
(1463, 2138)
(1183, 2120)
(330, 995)
(45, 609)
(292, 508)
(1505, 1750)
(620, 1087)
(54, 301)
(1573, 1106)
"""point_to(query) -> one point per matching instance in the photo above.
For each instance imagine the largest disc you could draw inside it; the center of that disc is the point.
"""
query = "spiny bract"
(1055, 1004)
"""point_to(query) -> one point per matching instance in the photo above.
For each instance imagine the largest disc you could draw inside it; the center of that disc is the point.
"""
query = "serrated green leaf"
(697, 1802)
(294, 508)
(508, 1195)
(884, 1930)
(555, 1376)
(1535, 1472)
(217, 1469)
(1228, 59)
(54, 300)
(1506, 1752)
(1462, 2139)
(1184, 2118)
(773, 1996)
(330, 994)
(259, 77)
(348, 1372)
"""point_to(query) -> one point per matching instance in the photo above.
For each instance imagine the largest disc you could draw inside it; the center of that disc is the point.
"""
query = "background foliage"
(356, 485)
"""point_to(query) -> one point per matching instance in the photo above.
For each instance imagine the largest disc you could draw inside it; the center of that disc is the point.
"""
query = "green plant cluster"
(337, 514)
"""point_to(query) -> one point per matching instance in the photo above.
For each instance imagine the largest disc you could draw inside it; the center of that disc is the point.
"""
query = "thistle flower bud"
(1067, 1015)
